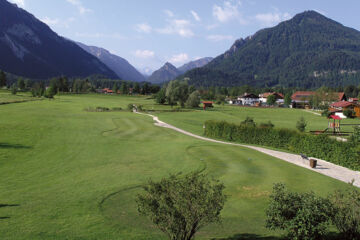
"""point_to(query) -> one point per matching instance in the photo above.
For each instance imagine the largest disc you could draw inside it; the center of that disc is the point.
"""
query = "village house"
(249, 99)
(107, 91)
(338, 108)
(279, 97)
(301, 99)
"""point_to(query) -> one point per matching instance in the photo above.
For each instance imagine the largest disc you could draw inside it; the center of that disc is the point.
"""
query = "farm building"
(279, 97)
(207, 104)
(301, 99)
(249, 99)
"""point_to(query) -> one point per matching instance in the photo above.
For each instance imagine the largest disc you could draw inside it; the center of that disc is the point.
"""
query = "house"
(302, 99)
(353, 100)
(207, 104)
(233, 101)
(249, 99)
(107, 91)
(279, 97)
(339, 107)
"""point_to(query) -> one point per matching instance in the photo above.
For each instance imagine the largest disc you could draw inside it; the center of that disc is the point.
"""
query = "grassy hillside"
(73, 174)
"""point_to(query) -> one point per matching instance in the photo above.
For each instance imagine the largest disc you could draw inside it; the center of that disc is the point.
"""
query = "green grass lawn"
(71, 174)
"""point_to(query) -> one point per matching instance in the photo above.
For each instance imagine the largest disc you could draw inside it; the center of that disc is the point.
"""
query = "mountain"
(119, 65)
(308, 51)
(195, 64)
(29, 48)
(166, 73)
(169, 72)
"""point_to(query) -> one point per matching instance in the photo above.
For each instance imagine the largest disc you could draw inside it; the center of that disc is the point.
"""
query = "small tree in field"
(271, 100)
(193, 100)
(180, 205)
(301, 124)
(14, 89)
(2, 79)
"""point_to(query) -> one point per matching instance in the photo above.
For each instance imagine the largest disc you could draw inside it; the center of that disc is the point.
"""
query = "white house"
(249, 99)
(279, 97)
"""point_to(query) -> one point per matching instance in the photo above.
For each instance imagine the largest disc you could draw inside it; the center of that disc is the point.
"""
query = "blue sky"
(149, 33)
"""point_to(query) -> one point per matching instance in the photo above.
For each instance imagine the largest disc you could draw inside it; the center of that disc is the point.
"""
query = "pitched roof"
(249, 95)
(299, 95)
(342, 104)
(265, 95)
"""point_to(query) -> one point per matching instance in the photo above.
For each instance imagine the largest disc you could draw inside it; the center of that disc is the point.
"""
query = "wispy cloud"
(180, 27)
(20, 3)
(144, 54)
(179, 58)
(195, 15)
(271, 19)
(229, 11)
(77, 3)
(143, 28)
(169, 13)
(219, 38)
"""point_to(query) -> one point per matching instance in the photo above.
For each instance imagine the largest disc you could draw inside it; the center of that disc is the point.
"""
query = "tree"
(303, 215)
(249, 121)
(347, 213)
(13, 89)
(271, 100)
(193, 100)
(181, 205)
(115, 88)
(136, 88)
(287, 99)
(21, 83)
(160, 97)
(50, 92)
(349, 113)
(301, 124)
(3, 80)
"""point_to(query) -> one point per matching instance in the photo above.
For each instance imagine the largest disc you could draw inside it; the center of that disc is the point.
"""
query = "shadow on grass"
(13, 146)
(248, 236)
(7, 205)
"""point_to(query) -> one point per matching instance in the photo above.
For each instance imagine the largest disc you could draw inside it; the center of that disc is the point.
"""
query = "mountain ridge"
(116, 63)
(309, 50)
(31, 49)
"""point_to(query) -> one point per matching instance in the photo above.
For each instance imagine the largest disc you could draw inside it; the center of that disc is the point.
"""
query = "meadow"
(72, 174)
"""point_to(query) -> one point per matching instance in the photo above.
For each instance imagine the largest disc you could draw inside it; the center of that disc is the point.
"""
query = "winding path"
(323, 167)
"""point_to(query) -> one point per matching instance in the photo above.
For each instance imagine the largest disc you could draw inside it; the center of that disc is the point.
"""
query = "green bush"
(301, 124)
(347, 213)
(130, 107)
(349, 113)
(303, 215)
(340, 153)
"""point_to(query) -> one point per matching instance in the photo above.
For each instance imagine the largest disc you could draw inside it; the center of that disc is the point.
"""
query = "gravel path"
(323, 167)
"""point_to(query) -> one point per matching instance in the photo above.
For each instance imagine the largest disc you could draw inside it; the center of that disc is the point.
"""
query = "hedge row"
(340, 153)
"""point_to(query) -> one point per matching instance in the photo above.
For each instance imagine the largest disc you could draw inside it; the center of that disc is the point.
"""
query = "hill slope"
(118, 64)
(195, 64)
(309, 50)
(31, 49)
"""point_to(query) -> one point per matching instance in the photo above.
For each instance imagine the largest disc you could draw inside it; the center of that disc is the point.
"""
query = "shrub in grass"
(303, 216)
(301, 124)
(130, 107)
(269, 124)
(181, 205)
(116, 109)
(13, 89)
(249, 122)
(347, 213)
(102, 109)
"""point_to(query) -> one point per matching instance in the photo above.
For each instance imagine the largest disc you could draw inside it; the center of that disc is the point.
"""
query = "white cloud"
(80, 6)
(169, 13)
(219, 38)
(177, 26)
(229, 11)
(271, 19)
(20, 3)
(144, 28)
(144, 54)
(179, 58)
(195, 15)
